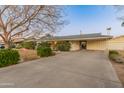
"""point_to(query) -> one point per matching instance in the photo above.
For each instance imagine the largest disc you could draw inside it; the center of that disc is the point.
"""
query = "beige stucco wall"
(97, 45)
(75, 45)
(116, 43)
(112, 44)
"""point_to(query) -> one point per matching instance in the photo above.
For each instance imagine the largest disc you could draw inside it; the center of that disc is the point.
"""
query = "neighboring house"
(16, 39)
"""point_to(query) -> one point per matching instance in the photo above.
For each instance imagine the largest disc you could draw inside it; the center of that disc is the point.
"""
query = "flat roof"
(77, 37)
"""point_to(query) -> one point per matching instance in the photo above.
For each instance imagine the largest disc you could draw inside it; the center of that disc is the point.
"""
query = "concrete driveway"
(68, 69)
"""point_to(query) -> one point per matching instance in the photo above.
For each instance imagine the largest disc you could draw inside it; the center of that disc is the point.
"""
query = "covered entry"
(83, 45)
(78, 45)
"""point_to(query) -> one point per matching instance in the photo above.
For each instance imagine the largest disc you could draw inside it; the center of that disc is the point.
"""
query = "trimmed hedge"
(8, 57)
(113, 52)
(44, 51)
(63, 46)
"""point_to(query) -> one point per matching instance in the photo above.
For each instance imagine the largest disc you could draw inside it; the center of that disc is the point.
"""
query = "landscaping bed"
(119, 66)
(27, 51)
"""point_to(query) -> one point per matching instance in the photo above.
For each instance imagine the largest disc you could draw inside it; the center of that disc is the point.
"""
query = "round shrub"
(44, 51)
(8, 57)
(63, 46)
(113, 52)
(113, 56)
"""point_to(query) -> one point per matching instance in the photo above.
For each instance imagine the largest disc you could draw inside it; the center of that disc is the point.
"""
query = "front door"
(83, 44)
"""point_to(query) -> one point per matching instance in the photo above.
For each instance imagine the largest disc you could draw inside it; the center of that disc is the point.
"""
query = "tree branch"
(24, 21)
(4, 10)
(19, 32)
(2, 24)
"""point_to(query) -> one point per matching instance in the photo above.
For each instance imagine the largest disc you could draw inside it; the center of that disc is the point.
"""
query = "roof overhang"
(79, 39)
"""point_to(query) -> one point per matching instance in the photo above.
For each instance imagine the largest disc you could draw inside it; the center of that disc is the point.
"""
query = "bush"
(43, 44)
(63, 46)
(113, 56)
(13, 46)
(44, 51)
(113, 52)
(29, 45)
(8, 57)
(116, 57)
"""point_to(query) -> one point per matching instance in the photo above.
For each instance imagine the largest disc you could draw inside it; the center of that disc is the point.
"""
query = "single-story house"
(95, 41)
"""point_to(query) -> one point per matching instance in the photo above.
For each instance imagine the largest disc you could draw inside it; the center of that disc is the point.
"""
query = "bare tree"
(16, 20)
(120, 10)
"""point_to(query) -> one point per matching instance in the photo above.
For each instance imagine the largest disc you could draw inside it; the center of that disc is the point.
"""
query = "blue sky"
(91, 19)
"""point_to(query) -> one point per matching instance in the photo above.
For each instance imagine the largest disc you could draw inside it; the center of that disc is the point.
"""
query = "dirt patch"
(119, 67)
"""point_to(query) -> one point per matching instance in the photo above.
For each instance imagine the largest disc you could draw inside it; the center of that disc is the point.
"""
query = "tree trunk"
(6, 40)
(7, 45)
